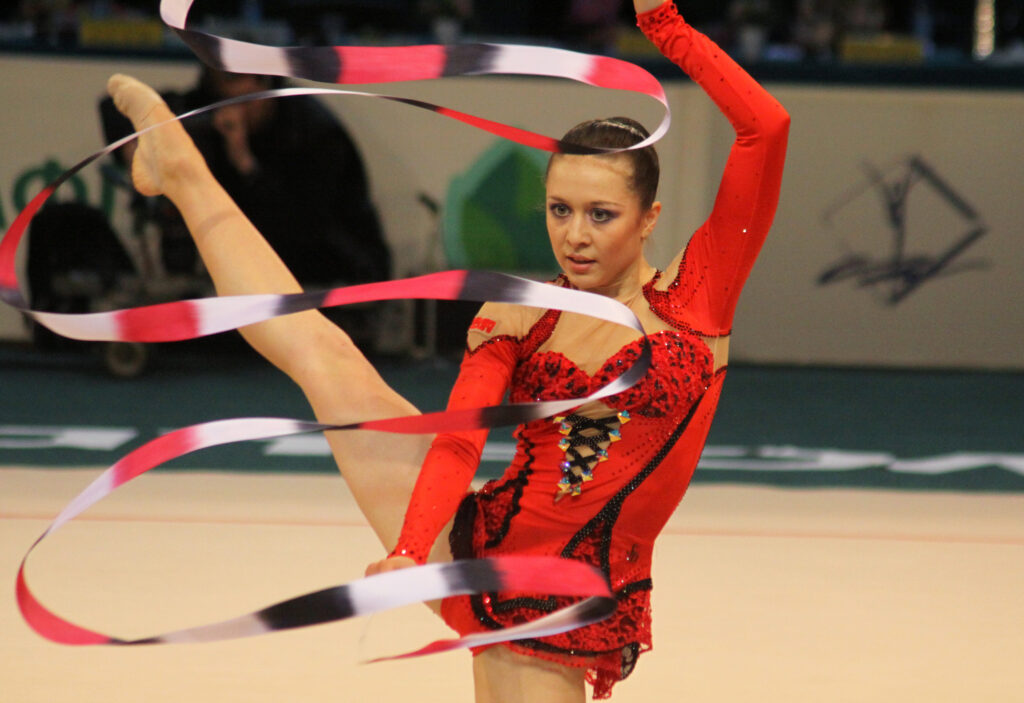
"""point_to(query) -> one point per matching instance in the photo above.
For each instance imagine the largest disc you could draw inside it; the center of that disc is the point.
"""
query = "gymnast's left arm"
(484, 376)
(725, 247)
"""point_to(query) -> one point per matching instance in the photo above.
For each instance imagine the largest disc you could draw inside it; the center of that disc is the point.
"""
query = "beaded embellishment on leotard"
(663, 392)
(585, 445)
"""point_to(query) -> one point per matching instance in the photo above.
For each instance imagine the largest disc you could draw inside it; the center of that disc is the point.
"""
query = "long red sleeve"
(721, 253)
(707, 282)
(452, 461)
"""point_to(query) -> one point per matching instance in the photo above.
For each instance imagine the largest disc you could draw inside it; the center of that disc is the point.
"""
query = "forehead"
(591, 177)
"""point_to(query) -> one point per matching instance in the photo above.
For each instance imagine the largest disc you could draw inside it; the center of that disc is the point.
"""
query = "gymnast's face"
(597, 224)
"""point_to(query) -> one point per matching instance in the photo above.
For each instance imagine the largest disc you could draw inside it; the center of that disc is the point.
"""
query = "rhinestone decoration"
(585, 444)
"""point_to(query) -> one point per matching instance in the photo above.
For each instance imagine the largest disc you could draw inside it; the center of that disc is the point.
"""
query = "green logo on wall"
(494, 213)
(32, 180)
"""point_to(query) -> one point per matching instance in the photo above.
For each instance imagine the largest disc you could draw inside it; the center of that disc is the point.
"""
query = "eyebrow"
(592, 203)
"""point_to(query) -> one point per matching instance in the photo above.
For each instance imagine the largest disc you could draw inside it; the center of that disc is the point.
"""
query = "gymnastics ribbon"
(189, 319)
(194, 318)
(348, 65)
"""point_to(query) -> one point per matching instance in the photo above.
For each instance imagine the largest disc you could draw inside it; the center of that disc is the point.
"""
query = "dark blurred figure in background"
(293, 170)
(1011, 28)
(814, 28)
(53, 22)
(596, 23)
(296, 173)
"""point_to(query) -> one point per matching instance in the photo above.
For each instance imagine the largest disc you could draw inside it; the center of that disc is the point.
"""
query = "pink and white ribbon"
(194, 318)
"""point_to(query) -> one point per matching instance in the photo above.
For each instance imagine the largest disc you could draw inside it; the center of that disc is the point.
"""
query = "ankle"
(184, 174)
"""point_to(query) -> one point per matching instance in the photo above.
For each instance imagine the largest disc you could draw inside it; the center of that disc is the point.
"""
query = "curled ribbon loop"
(189, 319)
(349, 65)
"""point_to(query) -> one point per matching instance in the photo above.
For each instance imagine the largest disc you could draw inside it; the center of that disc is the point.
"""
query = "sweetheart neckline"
(620, 350)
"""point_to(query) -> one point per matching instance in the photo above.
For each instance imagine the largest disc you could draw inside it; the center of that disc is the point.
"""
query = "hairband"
(622, 125)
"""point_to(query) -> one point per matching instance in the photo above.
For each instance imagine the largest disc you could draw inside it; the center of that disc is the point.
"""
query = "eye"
(559, 209)
(601, 215)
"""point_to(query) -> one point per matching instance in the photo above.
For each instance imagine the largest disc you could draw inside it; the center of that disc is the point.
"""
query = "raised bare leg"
(341, 385)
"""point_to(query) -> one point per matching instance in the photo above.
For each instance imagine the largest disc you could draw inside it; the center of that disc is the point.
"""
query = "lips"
(579, 264)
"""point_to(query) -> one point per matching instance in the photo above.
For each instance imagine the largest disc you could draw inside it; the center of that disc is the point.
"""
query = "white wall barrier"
(897, 241)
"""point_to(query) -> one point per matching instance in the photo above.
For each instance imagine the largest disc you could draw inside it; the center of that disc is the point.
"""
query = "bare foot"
(166, 155)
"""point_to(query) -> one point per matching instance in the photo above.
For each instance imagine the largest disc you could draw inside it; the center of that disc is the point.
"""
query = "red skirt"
(608, 650)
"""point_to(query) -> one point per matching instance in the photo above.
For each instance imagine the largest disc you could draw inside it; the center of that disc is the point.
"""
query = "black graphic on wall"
(905, 263)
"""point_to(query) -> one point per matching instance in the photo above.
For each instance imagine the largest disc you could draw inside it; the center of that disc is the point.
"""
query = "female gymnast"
(596, 485)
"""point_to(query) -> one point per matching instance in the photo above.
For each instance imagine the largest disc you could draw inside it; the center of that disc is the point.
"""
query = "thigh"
(380, 468)
(503, 676)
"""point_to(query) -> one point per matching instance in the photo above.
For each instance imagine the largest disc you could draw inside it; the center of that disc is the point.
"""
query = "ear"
(650, 219)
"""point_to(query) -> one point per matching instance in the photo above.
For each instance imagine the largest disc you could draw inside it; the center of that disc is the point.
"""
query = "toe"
(135, 100)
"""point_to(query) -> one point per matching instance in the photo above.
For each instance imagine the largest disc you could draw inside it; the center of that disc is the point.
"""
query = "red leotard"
(627, 460)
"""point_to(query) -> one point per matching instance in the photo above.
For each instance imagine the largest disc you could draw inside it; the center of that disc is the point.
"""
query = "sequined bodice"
(681, 370)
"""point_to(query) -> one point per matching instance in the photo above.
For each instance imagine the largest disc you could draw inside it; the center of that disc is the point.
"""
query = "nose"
(577, 233)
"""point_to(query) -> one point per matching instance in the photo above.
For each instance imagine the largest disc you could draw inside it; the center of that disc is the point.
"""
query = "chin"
(583, 281)
(575, 279)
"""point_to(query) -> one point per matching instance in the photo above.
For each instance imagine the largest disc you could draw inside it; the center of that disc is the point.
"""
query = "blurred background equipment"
(793, 30)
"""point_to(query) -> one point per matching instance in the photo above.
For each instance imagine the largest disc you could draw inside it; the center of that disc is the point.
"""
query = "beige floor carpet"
(761, 594)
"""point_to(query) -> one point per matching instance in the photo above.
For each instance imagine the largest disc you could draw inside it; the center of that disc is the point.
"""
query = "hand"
(389, 564)
(647, 5)
(232, 121)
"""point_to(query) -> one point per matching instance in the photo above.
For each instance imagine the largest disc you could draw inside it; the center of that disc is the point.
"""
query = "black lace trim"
(547, 605)
(516, 485)
(460, 539)
(631, 588)
(607, 515)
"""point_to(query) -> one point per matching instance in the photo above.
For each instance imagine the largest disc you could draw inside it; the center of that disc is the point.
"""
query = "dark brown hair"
(619, 133)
